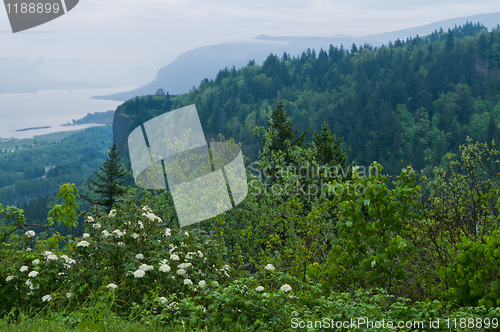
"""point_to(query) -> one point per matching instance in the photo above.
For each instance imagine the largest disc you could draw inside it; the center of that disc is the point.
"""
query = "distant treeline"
(97, 117)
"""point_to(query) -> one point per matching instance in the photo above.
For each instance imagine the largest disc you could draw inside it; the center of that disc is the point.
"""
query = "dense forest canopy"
(398, 104)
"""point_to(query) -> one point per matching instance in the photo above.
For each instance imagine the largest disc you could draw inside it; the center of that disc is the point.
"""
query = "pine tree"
(282, 126)
(108, 182)
(450, 41)
(329, 148)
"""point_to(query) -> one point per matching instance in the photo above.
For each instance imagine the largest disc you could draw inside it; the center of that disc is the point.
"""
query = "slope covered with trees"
(39, 169)
(299, 247)
(317, 241)
(409, 101)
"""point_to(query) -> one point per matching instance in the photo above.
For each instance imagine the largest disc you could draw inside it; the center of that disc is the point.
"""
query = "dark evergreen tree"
(329, 148)
(450, 41)
(354, 48)
(481, 46)
(108, 183)
(284, 139)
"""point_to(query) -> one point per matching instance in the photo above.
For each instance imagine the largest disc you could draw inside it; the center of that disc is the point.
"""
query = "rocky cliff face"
(121, 124)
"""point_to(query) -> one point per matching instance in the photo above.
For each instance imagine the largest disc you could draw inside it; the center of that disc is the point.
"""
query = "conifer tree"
(107, 183)
(284, 135)
(329, 148)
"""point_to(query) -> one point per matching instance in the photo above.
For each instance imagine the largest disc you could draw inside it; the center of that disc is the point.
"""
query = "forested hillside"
(398, 104)
(40, 169)
(309, 246)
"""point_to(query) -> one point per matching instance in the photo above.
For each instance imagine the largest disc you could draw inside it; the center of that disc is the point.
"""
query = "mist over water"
(51, 108)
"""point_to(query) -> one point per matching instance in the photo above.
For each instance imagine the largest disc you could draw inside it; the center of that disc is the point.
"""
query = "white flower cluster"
(174, 257)
(112, 213)
(86, 235)
(224, 270)
(89, 219)
(285, 288)
(30, 233)
(184, 265)
(46, 298)
(112, 285)
(68, 260)
(96, 225)
(269, 267)
(105, 233)
(164, 268)
(139, 273)
(83, 244)
(139, 256)
(259, 288)
(9, 278)
(188, 282)
(36, 261)
(168, 232)
(173, 306)
(23, 268)
(30, 285)
(151, 216)
(49, 256)
(135, 235)
(146, 267)
(120, 244)
(118, 233)
(32, 274)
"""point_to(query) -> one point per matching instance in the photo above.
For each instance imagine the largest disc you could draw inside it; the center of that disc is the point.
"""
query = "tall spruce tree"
(107, 183)
(284, 135)
(329, 148)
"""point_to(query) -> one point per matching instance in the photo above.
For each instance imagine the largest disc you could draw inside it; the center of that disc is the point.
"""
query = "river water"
(51, 108)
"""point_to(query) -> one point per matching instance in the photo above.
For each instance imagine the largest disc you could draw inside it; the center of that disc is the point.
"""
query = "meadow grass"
(46, 325)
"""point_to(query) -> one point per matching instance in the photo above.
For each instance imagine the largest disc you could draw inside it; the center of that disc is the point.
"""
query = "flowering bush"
(131, 252)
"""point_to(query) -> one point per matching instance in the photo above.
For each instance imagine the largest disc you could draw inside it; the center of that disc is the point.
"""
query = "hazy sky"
(129, 33)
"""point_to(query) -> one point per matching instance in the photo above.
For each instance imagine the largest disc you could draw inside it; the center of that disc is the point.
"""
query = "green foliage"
(67, 211)
(374, 231)
(277, 261)
(108, 182)
(472, 277)
(285, 219)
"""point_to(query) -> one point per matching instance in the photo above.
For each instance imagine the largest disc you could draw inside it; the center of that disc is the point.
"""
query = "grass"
(41, 325)
(26, 324)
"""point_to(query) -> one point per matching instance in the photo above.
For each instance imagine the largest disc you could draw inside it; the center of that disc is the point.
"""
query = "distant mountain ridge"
(191, 67)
